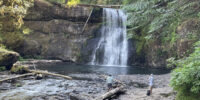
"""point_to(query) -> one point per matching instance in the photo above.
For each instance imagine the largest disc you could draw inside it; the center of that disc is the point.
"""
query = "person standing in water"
(109, 81)
(151, 83)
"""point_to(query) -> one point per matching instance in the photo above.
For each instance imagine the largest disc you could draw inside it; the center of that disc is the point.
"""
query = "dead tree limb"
(48, 73)
(100, 6)
(16, 77)
(111, 93)
(87, 20)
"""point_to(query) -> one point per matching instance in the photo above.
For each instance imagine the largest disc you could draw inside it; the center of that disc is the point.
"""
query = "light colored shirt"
(109, 79)
(151, 81)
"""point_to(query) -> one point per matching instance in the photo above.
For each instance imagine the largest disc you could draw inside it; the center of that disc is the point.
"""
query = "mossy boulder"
(8, 58)
(19, 69)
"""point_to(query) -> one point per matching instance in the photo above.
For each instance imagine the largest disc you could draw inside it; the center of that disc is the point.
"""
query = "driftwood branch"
(100, 6)
(48, 73)
(87, 20)
(16, 77)
(110, 93)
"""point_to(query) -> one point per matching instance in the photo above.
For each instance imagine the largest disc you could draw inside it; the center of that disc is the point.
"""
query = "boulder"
(8, 58)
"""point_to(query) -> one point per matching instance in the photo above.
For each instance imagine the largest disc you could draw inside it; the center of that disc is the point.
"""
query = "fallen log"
(19, 76)
(100, 6)
(48, 73)
(111, 93)
(87, 20)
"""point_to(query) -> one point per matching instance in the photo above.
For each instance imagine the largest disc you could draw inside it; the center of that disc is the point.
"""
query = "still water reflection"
(66, 68)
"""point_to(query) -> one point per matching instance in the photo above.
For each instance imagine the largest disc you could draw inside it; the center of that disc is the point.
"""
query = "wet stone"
(5, 86)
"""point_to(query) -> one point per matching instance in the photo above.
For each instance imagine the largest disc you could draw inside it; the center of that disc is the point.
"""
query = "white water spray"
(112, 49)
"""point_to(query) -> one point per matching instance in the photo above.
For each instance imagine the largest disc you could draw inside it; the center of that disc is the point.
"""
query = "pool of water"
(66, 68)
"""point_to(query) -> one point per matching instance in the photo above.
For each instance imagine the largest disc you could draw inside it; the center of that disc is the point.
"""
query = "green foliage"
(58, 1)
(72, 2)
(171, 63)
(12, 13)
(18, 85)
(27, 31)
(68, 2)
(198, 14)
(22, 59)
(13, 40)
(155, 16)
(2, 68)
(186, 78)
(150, 20)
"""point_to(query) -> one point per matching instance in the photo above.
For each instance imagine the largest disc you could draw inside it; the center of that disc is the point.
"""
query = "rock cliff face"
(56, 31)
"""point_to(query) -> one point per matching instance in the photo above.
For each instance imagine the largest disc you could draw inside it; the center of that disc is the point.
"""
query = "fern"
(160, 16)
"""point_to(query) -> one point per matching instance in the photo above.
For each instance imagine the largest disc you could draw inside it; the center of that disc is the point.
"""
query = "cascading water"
(112, 48)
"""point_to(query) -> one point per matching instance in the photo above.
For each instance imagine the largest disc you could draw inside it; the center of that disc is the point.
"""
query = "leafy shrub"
(12, 13)
(186, 78)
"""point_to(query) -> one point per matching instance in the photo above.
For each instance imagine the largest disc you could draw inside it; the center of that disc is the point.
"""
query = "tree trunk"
(100, 6)
(48, 73)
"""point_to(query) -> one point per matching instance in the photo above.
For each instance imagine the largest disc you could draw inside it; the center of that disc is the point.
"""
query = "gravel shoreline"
(83, 87)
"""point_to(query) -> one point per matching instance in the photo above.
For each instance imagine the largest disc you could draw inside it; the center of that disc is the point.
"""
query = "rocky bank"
(83, 87)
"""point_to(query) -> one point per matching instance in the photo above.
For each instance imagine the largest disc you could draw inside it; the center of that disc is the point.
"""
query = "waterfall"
(112, 48)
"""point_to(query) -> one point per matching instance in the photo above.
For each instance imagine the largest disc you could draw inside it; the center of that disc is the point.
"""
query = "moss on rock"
(19, 69)
(8, 58)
